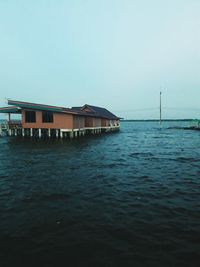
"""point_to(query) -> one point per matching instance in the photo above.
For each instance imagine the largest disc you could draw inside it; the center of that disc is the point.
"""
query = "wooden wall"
(60, 121)
(92, 122)
(78, 122)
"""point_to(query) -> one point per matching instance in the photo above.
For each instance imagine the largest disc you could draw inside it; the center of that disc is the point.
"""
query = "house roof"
(97, 111)
(10, 110)
(86, 110)
(29, 105)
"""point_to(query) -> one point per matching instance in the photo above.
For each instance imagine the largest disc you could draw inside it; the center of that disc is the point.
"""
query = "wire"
(164, 108)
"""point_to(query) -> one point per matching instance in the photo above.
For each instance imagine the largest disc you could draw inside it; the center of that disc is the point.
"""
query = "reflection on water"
(124, 199)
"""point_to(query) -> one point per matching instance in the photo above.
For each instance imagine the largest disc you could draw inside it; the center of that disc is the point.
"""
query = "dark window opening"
(30, 116)
(47, 116)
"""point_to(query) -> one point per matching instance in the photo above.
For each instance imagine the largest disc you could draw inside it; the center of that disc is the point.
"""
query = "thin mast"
(160, 107)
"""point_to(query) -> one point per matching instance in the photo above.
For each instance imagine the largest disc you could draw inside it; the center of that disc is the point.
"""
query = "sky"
(116, 54)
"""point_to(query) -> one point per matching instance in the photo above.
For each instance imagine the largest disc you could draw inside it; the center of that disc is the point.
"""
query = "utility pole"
(160, 107)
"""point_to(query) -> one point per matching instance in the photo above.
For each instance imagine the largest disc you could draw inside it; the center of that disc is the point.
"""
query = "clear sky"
(111, 53)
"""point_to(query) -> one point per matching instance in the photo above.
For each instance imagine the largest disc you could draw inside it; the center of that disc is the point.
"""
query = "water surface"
(126, 199)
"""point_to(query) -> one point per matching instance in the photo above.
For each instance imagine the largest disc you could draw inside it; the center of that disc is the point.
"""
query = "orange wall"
(60, 121)
(78, 122)
(66, 121)
(88, 122)
(97, 122)
(92, 122)
(105, 122)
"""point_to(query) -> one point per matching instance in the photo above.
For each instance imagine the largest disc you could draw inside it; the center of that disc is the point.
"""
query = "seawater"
(126, 199)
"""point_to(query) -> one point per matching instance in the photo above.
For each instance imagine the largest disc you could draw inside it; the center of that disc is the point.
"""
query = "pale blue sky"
(112, 53)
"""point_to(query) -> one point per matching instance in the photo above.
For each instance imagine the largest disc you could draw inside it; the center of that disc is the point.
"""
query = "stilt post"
(39, 132)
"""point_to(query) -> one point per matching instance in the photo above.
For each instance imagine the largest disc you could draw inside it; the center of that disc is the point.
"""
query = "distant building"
(40, 120)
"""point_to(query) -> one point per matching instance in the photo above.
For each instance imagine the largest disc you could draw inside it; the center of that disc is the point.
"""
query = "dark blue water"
(126, 199)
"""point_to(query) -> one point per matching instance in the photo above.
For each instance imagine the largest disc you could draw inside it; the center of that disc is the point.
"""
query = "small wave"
(187, 159)
(144, 177)
(140, 154)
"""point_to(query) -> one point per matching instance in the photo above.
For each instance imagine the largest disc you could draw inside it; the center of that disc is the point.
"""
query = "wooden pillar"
(15, 132)
(23, 132)
(31, 132)
(49, 133)
(71, 135)
(61, 134)
(39, 132)
(56, 133)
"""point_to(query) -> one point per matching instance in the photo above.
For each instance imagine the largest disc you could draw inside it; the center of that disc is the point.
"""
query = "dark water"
(125, 199)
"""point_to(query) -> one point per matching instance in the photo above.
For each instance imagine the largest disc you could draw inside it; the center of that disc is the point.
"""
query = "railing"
(7, 126)
(14, 124)
(3, 128)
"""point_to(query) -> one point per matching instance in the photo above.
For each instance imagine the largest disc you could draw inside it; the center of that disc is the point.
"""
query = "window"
(47, 116)
(30, 116)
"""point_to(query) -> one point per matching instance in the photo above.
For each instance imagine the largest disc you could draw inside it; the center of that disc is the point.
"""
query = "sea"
(130, 198)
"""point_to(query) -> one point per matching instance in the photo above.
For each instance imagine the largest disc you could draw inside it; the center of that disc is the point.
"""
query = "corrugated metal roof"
(97, 111)
(35, 106)
(10, 110)
(86, 110)
(103, 112)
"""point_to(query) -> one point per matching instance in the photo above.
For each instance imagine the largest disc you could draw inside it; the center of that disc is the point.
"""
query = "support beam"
(31, 132)
(61, 134)
(23, 132)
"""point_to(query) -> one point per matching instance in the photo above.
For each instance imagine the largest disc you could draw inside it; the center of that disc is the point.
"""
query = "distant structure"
(39, 120)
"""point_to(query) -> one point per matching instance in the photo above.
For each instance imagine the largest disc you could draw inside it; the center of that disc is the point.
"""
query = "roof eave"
(14, 110)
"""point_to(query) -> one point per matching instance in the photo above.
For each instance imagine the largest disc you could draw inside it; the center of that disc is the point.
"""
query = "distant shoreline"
(156, 120)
